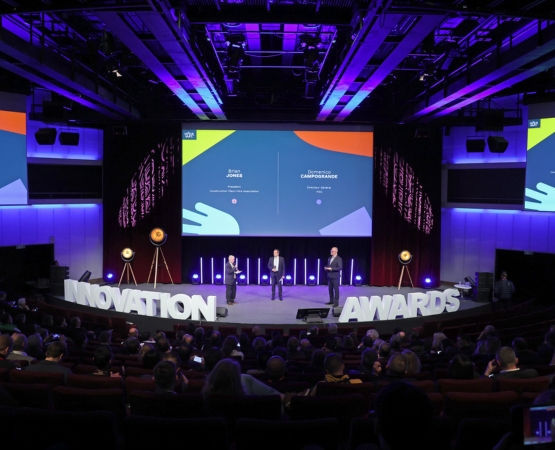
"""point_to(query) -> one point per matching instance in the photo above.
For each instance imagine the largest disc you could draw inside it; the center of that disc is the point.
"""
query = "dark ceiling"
(287, 60)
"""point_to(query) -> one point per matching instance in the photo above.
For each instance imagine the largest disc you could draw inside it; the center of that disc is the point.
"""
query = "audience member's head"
(275, 368)
(413, 362)
(19, 342)
(292, 345)
(373, 333)
(461, 368)
(318, 358)
(506, 358)
(163, 345)
(185, 351)
(330, 344)
(334, 365)
(332, 328)
(259, 344)
(151, 358)
(165, 375)
(133, 332)
(436, 343)
(102, 357)
(229, 345)
(281, 352)
(519, 344)
(215, 338)
(397, 365)
(105, 337)
(211, 357)
(385, 350)
(224, 379)
(75, 322)
(367, 359)
(6, 344)
(55, 351)
(172, 357)
(132, 345)
(257, 331)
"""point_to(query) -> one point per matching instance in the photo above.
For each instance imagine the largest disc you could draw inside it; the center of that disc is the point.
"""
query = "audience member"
(19, 351)
(6, 345)
(506, 361)
(54, 354)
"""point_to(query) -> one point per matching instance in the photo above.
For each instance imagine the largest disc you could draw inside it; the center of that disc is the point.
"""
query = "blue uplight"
(242, 277)
(264, 277)
(288, 277)
(195, 276)
(358, 278)
(311, 277)
(110, 276)
(218, 277)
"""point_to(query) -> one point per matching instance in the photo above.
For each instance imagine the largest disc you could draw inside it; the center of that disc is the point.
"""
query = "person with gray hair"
(19, 349)
(230, 279)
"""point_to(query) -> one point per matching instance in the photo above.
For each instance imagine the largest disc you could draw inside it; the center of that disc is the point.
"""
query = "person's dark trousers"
(333, 287)
(275, 280)
(230, 292)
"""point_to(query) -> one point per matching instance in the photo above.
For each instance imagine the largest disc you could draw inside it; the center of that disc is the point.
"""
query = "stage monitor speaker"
(221, 312)
(46, 136)
(67, 138)
(85, 277)
(497, 144)
(484, 280)
(313, 318)
(475, 145)
(483, 295)
(336, 312)
(490, 120)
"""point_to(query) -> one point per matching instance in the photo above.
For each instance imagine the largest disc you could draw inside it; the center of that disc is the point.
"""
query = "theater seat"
(292, 435)
(479, 385)
(75, 399)
(94, 382)
(53, 379)
(145, 403)
(31, 395)
(463, 405)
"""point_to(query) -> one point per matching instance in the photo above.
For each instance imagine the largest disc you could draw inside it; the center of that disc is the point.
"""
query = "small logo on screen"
(534, 123)
(189, 135)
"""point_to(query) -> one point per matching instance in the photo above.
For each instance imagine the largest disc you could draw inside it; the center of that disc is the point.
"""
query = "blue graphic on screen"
(277, 183)
(540, 166)
(13, 158)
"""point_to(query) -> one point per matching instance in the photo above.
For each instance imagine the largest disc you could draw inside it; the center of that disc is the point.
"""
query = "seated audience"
(506, 361)
(19, 351)
(54, 354)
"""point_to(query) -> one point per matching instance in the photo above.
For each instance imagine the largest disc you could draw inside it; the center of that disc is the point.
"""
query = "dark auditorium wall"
(407, 203)
(142, 190)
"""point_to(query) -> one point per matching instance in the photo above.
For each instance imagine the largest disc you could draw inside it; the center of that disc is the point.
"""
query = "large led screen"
(13, 158)
(277, 183)
(540, 165)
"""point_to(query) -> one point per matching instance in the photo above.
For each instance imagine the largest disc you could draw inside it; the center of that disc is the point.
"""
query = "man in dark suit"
(335, 264)
(507, 361)
(276, 264)
(231, 272)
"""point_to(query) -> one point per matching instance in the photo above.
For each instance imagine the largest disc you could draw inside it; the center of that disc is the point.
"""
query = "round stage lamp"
(218, 279)
(158, 237)
(311, 280)
(242, 280)
(127, 254)
(195, 278)
(405, 257)
(288, 280)
(358, 280)
(265, 281)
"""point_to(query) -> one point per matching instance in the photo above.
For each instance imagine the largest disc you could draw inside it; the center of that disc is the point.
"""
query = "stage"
(254, 306)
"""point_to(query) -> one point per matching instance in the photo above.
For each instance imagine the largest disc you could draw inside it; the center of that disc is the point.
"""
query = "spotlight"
(288, 280)
(312, 280)
(195, 278)
(265, 280)
(68, 138)
(358, 280)
(109, 277)
(218, 279)
(242, 280)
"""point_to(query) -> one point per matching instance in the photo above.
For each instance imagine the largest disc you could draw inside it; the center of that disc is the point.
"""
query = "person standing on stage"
(503, 291)
(231, 272)
(277, 265)
(335, 264)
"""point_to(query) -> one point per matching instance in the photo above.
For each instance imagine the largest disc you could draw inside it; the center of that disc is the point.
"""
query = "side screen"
(277, 183)
(540, 166)
(13, 158)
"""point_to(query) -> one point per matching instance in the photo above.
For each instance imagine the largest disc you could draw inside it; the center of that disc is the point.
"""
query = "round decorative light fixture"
(158, 237)
(405, 257)
(127, 254)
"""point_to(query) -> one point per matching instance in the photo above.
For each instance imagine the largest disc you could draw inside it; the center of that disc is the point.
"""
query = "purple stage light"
(110, 276)
(242, 277)
(288, 277)
(195, 276)
(311, 277)
(218, 277)
(264, 277)
(358, 278)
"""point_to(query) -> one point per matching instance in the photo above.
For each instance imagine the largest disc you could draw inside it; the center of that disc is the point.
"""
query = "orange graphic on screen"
(14, 122)
(355, 143)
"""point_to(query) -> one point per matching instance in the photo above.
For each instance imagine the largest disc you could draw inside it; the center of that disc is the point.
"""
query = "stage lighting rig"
(311, 45)
(236, 44)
